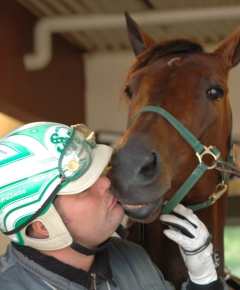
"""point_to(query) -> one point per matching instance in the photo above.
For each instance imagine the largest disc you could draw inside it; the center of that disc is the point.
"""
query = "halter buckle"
(208, 150)
(221, 188)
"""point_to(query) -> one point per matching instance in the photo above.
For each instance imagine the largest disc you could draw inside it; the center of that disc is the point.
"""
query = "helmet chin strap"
(88, 252)
(121, 231)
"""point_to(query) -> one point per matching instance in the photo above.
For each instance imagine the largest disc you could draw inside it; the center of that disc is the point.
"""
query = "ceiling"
(99, 25)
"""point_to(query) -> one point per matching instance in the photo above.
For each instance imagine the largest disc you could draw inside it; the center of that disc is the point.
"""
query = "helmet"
(38, 161)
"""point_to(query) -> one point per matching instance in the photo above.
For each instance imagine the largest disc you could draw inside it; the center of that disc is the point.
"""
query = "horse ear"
(229, 48)
(138, 38)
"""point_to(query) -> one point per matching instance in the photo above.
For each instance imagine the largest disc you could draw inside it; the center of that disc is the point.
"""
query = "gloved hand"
(194, 241)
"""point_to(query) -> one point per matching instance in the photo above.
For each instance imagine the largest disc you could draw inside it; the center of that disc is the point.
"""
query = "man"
(58, 211)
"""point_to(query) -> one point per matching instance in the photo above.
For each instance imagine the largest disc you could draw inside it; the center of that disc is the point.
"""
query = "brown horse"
(154, 158)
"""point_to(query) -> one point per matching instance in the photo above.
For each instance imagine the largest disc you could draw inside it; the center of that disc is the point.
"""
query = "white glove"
(193, 239)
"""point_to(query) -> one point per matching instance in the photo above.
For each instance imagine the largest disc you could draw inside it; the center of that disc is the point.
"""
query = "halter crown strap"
(199, 170)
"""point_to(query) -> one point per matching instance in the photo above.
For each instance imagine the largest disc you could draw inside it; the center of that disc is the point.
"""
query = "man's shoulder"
(8, 269)
(6, 260)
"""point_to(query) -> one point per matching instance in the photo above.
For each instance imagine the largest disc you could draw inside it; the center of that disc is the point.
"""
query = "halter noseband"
(200, 150)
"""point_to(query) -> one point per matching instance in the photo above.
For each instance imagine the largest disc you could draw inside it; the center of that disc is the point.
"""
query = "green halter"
(200, 150)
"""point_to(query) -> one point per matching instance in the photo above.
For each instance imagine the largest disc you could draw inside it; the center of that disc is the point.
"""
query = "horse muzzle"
(136, 178)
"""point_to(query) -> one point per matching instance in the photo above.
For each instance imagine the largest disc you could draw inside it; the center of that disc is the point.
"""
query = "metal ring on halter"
(205, 152)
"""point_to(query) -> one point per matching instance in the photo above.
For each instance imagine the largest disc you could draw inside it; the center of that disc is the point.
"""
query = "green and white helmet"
(37, 162)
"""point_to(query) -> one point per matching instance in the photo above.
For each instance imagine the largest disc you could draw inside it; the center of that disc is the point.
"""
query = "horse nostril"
(152, 166)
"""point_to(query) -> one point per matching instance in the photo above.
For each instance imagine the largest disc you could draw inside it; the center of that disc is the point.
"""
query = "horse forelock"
(177, 46)
(171, 47)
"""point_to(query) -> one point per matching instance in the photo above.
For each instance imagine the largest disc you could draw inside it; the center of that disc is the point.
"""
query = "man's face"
(91, 216)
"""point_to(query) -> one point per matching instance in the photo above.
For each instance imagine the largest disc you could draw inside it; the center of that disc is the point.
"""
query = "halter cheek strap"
(200, 151)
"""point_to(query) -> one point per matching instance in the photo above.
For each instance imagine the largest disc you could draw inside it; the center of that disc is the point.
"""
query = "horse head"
(152, 159)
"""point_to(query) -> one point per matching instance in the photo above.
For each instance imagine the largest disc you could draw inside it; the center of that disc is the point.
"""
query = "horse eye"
(215, 94)
(128, 92)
